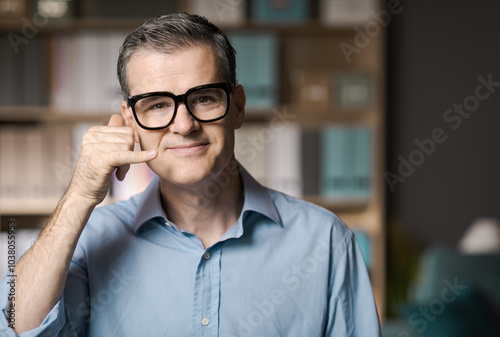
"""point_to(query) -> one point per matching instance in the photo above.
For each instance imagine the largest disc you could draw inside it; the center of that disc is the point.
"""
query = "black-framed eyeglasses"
(157, 110)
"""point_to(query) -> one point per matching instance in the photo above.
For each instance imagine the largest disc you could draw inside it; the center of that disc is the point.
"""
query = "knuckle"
(94, 128)
(91, 136)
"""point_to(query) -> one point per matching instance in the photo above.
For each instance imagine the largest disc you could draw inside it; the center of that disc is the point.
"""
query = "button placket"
(206, 306)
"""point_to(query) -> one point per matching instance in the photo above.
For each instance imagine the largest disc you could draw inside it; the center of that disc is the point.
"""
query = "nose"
(184, 123)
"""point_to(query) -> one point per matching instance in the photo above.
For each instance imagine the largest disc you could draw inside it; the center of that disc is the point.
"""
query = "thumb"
(116, 120)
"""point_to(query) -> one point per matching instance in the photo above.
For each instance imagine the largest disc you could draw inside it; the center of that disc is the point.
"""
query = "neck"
(208, 209)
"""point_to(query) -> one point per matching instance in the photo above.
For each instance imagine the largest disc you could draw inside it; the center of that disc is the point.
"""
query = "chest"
(232, 289)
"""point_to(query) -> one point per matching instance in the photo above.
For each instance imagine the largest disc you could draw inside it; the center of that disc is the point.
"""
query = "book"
(363, 162)
(221, 12)
(35, 173)
(251, 151)
(62, 79)
(345, 13)
(332, 178)
(112, 98)
(63, 158)
(311, 150)
(10, 78)
(126, 8)
(257, 68)
(86, 81)
(346, 162)
(22, 161)
(8, 162)
(35, 72)
(284, 159)
(280, 11)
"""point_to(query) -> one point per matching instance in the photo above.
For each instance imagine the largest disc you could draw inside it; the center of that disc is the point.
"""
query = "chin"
(184, 174)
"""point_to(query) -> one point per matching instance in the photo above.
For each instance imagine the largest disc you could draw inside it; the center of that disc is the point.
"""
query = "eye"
(158, 106)
(204, 99)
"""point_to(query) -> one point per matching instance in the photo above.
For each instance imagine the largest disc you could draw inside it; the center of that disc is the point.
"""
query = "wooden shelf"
(311, 27)
(73, 25)
(46, 114)
(35, 207)
(339, 204)
(314, 118)
(28, 206)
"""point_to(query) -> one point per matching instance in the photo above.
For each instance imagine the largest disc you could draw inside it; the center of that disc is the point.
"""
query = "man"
(205, 250)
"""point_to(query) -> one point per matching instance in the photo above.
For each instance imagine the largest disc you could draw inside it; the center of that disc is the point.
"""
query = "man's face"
(189, 152)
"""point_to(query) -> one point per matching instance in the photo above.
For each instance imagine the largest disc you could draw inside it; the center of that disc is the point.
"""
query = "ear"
(129, 119)
(239, 102)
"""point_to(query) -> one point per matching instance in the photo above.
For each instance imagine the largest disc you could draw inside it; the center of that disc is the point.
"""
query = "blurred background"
(381, 111)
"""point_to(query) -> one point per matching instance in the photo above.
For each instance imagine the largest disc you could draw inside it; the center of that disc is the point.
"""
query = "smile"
(189, 148)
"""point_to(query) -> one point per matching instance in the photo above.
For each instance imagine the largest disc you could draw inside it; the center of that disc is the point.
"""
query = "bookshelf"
(317, 88)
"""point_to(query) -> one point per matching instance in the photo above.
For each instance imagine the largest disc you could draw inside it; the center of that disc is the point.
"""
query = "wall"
(437, 51)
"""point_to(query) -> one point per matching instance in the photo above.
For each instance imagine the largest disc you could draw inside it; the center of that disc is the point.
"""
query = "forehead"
(150, 70)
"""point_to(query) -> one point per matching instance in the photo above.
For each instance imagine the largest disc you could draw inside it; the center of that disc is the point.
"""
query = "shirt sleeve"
(351, 311)
(69, 317)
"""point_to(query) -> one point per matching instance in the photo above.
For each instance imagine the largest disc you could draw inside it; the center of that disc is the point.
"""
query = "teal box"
(354, 90)
(257, 67)
(332, 161)
(280, 11)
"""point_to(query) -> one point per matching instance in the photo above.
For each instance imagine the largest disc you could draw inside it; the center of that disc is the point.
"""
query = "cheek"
(226, 133)
(150, 140)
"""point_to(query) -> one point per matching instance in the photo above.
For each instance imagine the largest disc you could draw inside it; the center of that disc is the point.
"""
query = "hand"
(105, 148)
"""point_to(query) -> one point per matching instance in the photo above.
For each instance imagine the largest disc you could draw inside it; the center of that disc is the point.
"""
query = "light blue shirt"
(285, 268)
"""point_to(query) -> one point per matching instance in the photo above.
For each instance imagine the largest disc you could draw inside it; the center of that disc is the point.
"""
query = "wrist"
(85, 196)
(76, 197)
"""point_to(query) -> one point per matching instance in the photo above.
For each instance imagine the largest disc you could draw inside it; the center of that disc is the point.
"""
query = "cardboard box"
(311, 89)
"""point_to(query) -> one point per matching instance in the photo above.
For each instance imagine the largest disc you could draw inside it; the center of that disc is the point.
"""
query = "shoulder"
(310, 218)
(111, 220)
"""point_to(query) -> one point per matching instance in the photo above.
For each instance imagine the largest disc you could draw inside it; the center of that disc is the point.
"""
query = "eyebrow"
(151, 98)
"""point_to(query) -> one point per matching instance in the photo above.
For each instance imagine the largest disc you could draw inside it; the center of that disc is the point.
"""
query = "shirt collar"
(149, 205)
(257, 199)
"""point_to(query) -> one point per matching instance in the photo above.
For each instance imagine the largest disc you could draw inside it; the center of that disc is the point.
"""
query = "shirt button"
(206, 256)
(205, 321)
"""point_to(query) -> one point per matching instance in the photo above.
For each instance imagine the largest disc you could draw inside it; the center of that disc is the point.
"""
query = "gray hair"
(171, 32)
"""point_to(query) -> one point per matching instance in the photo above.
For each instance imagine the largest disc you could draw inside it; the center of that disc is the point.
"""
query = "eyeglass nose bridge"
(181, 99)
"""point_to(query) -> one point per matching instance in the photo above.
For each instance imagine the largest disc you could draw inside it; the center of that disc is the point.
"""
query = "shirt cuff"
(51, 325)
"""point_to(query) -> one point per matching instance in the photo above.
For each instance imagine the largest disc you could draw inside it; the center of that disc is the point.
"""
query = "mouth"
(191, 148)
